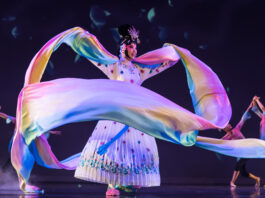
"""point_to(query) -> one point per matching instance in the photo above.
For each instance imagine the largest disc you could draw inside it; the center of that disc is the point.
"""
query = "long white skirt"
(130, 160)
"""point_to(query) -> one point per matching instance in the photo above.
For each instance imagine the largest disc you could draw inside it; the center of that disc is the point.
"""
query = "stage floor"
(168, 191)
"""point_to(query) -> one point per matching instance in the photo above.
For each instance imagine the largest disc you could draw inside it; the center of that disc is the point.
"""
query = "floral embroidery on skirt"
(131, 160)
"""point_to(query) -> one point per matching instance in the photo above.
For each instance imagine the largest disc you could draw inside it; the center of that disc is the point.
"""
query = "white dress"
(130, 160)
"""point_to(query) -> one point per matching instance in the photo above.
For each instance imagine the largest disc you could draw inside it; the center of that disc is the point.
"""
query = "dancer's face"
(131, 50)
(228, 128)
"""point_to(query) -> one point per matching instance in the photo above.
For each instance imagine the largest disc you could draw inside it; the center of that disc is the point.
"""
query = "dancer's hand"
(255, 98)
(55, 132)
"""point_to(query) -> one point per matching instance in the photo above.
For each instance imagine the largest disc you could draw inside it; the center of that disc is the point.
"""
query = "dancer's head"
(228, 128)
(129, 40)
(131, 51)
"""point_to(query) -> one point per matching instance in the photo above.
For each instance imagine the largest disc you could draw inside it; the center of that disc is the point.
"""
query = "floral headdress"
(129, 34)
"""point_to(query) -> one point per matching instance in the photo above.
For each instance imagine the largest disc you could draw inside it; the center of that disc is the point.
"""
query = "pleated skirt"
(130, 160)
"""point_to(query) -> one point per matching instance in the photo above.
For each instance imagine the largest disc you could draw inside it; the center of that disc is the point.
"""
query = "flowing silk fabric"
(40, 106)
(106, 100)
(243, 148)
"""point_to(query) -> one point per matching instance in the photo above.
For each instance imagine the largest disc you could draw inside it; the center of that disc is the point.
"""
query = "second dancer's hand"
(56, 132)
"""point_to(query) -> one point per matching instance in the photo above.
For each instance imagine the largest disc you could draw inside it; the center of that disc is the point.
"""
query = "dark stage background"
(227, 35)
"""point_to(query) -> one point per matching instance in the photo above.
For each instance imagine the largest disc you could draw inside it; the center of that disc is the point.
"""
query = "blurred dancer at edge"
(236, 134)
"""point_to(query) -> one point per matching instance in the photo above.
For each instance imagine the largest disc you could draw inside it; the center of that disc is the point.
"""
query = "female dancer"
(236, 134)
(132, 160)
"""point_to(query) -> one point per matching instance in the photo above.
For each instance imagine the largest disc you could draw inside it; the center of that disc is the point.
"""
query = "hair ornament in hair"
(128, 34)
(134, 34)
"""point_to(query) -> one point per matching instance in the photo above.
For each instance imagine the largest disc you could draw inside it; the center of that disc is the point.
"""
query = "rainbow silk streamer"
(39, 106)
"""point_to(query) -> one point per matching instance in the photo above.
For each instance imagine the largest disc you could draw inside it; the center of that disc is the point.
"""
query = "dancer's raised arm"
(259, 103)
(257, 107)
(244, 117)
(156, 61)
(81, 41)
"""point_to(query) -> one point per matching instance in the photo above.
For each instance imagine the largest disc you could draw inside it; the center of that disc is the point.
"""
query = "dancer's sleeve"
(82, 42)
(108, 69)
(87, 45)
(156, 61)
(256, 110)
(244, 118)
(3, 115)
